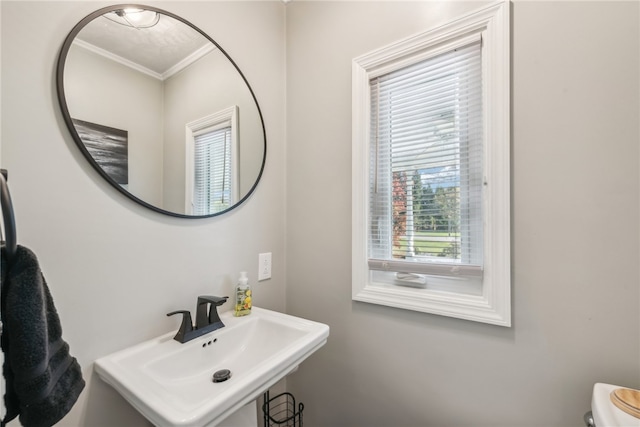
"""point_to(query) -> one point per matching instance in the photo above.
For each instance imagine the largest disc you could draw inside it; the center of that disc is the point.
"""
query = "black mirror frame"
(74, 134)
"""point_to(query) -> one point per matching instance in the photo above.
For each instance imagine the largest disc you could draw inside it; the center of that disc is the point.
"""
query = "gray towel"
(43, 381)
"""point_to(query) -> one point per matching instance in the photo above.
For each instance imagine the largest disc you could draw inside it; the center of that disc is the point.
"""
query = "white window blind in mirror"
(212, 167)
(426, 156)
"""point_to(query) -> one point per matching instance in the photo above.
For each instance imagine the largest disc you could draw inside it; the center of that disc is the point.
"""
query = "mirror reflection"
(161, 111)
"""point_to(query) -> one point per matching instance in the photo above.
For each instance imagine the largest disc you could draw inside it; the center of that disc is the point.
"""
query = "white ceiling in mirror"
(159, 50)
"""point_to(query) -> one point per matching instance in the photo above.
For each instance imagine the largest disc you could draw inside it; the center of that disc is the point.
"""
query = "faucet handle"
(214, 317)
(205, 317)
(186, 325)
(203, 311)
(216, 301)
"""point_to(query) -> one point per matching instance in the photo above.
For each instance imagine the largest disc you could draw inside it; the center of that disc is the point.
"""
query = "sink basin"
(171, 384)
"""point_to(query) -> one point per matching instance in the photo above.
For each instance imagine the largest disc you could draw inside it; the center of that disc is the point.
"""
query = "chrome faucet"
(207, 318)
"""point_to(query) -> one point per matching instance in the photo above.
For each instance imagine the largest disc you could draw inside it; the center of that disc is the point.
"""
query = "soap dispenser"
(243, 296)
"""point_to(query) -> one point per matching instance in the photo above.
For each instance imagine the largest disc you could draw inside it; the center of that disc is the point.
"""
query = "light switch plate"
(264, 266)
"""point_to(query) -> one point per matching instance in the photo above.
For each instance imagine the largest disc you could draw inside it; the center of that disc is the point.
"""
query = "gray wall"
(575, 235)
(136, 106)
(115, 268)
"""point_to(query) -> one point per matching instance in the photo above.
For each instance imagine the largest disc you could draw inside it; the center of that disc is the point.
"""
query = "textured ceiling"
(157, 48)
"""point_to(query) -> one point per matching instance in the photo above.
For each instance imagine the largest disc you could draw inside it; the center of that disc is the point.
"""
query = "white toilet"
(605, 413)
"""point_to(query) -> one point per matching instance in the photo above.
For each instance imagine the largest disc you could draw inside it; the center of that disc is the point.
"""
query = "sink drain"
(221, 375)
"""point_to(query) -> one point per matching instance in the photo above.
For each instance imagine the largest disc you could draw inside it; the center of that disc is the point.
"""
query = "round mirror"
(161, 111)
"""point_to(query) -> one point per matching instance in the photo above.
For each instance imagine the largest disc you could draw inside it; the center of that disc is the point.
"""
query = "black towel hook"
(11, 242)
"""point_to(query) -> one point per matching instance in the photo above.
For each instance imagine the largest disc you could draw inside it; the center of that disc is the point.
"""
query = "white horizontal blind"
(212, 169)
(426, 166)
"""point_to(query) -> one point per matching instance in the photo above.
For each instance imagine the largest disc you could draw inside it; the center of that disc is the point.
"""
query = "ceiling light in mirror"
(135, 18)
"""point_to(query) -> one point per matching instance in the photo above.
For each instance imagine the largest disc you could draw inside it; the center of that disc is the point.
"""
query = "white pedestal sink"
(171, 383)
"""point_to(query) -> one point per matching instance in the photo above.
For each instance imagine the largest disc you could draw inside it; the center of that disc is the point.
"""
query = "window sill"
(479, 308)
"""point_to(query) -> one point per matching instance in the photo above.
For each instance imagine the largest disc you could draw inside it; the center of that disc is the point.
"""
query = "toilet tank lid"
(605, 413)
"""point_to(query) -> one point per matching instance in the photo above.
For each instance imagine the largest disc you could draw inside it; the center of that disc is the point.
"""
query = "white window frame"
(493, 303)
(227, 115)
